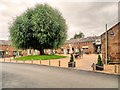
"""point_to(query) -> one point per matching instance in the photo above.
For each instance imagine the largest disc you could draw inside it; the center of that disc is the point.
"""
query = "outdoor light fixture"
(112, 34)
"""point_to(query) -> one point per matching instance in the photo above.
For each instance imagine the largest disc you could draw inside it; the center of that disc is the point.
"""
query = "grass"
(40, 57)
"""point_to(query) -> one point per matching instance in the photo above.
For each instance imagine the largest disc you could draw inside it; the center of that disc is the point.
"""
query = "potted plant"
(71, 63)
(99, 65)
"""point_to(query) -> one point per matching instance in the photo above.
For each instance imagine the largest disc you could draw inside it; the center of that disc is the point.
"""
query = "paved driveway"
(39, 76)
(83, 63)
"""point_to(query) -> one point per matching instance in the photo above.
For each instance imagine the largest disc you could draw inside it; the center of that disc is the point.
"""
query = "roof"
(4, 42)
(87, 39)
(112, 28)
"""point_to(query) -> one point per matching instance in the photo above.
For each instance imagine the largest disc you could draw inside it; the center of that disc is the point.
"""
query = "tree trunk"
(41, 51)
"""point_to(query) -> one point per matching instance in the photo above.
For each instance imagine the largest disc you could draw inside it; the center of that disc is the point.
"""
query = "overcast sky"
(87, 17)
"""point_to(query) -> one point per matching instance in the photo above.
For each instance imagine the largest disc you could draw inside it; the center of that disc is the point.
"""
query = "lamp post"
(106, 45)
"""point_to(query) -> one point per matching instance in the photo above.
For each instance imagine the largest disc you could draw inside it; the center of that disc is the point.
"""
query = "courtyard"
(83, 63)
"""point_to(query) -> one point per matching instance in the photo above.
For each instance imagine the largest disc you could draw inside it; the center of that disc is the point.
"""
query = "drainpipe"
(106, 44)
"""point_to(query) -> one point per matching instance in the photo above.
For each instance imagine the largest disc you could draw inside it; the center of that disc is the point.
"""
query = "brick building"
(113, 44)
(88, 45)
(7, 50)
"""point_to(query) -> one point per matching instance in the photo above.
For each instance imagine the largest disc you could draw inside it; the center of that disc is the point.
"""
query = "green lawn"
(40, 57)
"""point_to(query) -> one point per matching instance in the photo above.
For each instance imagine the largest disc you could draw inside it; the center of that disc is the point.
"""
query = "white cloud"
(87, 17)
(2, 7)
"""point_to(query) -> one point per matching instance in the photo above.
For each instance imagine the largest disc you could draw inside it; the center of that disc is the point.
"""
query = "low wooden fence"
(61, 63)
(58, 62)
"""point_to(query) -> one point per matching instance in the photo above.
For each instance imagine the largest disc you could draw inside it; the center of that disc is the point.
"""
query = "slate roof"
(87, 39)
(117, 24)
(4, 42)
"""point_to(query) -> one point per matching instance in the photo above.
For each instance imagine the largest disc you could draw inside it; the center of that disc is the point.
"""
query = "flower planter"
(99, 67)
(71, 64)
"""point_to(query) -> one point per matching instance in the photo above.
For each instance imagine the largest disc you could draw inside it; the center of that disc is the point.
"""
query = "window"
(29, 52)
(61, 49)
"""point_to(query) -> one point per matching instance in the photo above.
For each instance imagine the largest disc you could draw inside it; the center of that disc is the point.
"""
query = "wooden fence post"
(10, 59)
(16, 61)
(93, 66)
(115, 68)
(40, 61)
(49, 63)
(32, 61)
(59, 63)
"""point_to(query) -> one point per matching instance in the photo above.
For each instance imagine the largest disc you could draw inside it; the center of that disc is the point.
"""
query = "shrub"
(99, 62)
(71, 58)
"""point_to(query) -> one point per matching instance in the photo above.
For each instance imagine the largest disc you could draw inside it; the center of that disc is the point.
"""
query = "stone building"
(112, 45)
(87, 45)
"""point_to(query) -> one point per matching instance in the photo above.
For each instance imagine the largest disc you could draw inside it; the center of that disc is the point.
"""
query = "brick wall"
(7, 48)
(113, 44)
(79, 45)
(8, 51)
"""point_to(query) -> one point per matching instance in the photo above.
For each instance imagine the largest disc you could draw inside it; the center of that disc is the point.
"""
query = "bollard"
(10, 59)
(16, 61)
(23, 61)
(40, 61)
(115, 68)
(32, 61)
(59, 63)
(4, 59)
(49, 63)
(93, 66)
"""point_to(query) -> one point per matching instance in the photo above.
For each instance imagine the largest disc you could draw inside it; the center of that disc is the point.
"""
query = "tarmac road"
(38, 76)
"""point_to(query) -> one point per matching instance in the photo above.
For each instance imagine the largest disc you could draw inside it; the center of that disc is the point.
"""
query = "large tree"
(79, 35)
(41, 27)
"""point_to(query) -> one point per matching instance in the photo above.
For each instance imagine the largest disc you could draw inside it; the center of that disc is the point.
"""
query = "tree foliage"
(80, 35)
(41, 27)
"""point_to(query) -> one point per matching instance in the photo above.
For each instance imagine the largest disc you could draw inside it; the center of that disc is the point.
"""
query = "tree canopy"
(79, 35)
(41, 27)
